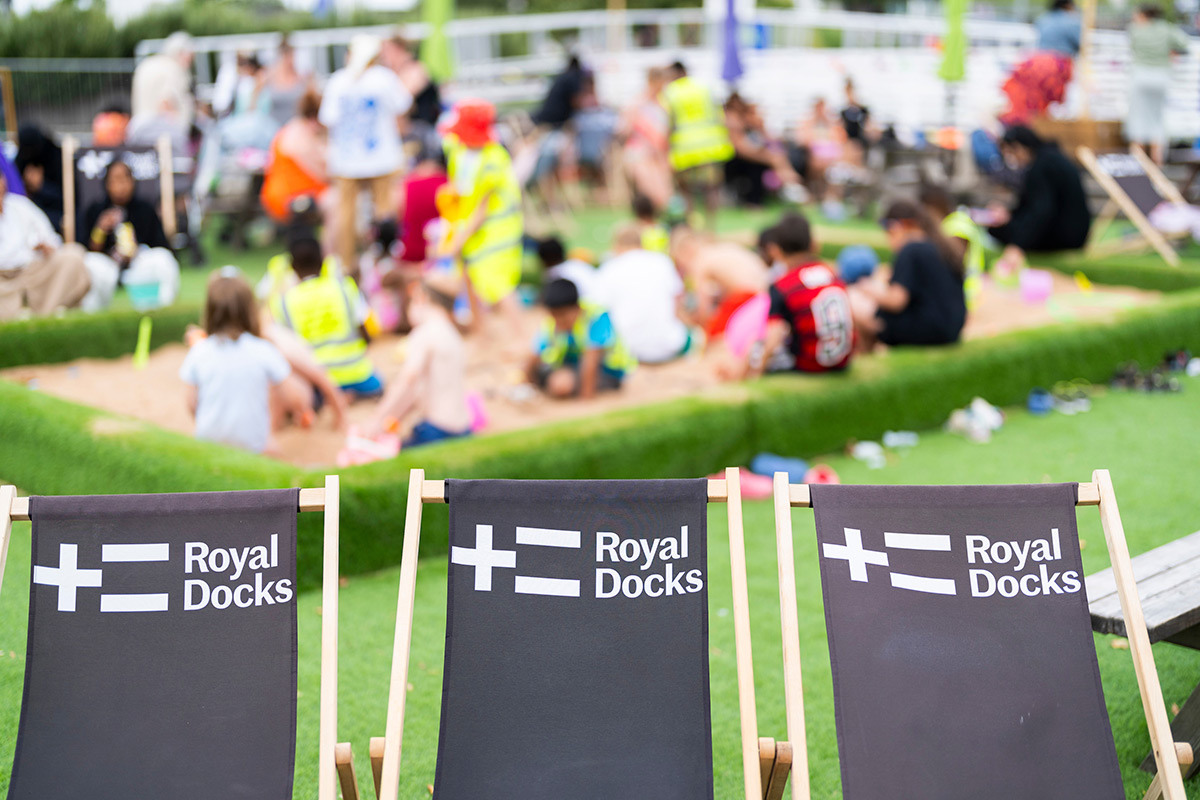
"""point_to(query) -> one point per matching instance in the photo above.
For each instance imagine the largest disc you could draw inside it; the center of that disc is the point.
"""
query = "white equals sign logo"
(69, 578)
(484, 559)
(859, 557)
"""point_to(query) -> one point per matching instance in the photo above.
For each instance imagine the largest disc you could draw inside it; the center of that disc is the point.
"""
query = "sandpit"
(157, 395)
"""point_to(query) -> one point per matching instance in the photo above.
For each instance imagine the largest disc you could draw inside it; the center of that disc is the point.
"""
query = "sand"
(157, 395)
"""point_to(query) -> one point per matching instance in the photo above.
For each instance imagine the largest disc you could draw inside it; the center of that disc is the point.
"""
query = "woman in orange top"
(297, 165)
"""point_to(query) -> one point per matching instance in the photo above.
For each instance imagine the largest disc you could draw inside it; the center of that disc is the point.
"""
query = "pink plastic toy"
(747, 325)
(1036, 286)
(362, 450)
(822, 473)
(479, 417)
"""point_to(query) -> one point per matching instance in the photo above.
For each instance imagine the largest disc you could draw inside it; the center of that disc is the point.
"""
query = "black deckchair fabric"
(576, 642)
(162, 648)
(962, 653)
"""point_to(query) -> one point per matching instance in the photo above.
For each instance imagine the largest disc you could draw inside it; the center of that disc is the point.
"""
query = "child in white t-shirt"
(232, 374)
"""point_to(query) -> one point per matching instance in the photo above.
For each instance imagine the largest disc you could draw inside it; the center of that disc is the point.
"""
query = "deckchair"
(956, 701)
(499, 626)
(170, 679)
(1135, 186)
(83, 179)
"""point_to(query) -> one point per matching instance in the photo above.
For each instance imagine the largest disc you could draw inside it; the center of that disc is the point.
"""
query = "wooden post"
(166, 191)
(741, 634)
(10, 103)
(1161, 740)
(1087, 24)
(329, 643)
(7, 493)
(397, 692)
(68, 168)
(793, 688)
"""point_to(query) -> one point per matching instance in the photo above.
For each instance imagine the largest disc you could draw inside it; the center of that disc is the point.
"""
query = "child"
(722, 276)
(923, 303)
(577, 352)
(233, 376)
(327, 310)
(964, 235)
(809, 308)
(419, 207)
(655, 236)
(554, 259)
(433, 379)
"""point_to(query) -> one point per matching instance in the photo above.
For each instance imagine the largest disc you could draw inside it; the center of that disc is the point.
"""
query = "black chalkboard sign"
(576, 642)
(962, 652)
(1127, 171)
(92, 162)
(162, 648)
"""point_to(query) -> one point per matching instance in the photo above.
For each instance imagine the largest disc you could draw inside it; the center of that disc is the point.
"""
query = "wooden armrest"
(343, 757)
(375, 751)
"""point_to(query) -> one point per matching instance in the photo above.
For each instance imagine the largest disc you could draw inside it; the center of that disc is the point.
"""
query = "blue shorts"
(371, 387)
(428, 433)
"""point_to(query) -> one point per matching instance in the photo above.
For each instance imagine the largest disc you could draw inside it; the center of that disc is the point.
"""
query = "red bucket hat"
(472, 122)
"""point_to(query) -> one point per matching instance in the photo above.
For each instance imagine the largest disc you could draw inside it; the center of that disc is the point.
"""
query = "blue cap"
(856, 262)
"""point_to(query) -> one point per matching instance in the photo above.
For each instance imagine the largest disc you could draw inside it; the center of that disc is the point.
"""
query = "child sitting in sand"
(327, 310)
(432, 381)
(720, 275)
(576, 352)
(808, 309)
(557, 265)
(964, 235)
(233, 376)
(655, 236)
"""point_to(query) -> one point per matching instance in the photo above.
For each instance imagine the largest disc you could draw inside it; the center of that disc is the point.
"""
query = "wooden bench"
(1168, 582)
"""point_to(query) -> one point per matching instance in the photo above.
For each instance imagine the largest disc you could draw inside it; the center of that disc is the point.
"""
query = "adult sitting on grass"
(577, 352)
(38, 273)
(1051, 212)
(923, 303)
(125, 240)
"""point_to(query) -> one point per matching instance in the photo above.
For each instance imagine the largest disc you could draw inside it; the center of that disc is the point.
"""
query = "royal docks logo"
(200, 577)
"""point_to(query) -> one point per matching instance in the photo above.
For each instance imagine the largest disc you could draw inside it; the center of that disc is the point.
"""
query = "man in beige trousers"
(37, 271)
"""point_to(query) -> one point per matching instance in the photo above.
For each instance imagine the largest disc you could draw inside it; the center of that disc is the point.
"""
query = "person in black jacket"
(124, 236)
(1051, 211)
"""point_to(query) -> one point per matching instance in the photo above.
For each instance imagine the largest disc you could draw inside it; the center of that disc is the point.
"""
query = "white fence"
(892, 58)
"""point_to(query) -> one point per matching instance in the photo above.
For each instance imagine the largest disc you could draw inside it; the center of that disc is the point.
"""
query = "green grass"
(1146, 441)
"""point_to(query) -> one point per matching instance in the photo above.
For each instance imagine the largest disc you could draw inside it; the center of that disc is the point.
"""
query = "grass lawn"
(1144, 440)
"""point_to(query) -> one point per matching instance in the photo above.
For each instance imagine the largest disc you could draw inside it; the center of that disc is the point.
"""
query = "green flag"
(435, 50)
(954, 45)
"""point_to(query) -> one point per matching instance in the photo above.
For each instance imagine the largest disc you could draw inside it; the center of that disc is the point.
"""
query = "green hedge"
(108, 334)
(55, 447)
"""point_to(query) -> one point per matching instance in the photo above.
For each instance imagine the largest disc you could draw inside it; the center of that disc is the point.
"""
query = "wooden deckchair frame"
(1168, 783)
(765, 762)
(166, 187)
(326, 500)
(1120, 202)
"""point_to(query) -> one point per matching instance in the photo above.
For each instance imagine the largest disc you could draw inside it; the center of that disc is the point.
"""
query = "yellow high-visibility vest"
(492, 256)
(321, 310)
(960, 226)
(698, 133)
(561, 347)
(656, 239)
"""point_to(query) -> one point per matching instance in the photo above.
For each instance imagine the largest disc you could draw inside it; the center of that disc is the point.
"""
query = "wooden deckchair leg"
(7, 493)
(766, 759)
(793, 690)
(1117, 194)
(389, 780)
(741, 638)
(166, 187)
(68, 168)
(780, 770)
(1159, 727)
(344, 758)
(330, 573)
(376, 754)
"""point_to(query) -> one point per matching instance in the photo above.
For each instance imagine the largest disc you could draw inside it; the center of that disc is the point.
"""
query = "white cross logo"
(483, 558)
(67, 576)
(852, 551)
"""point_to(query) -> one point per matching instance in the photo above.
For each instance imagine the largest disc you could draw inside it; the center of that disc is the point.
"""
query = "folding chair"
(83, 179)
(963, 663)
(162, 644)
(540, 674)
(1135, 186)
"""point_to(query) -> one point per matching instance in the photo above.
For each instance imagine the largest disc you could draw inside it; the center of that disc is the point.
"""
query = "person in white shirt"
(37, 271)
(363, 108)
(554, 259)
(162, 84)
(642, 292)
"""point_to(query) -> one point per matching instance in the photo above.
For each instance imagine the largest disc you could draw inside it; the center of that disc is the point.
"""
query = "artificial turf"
(1147, 441)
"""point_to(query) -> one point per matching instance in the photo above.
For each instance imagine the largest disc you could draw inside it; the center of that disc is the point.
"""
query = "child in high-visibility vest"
(655, 236)
(576, 352)
(963, 233)
(329, 312)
